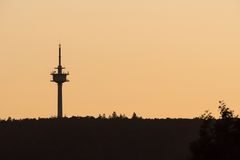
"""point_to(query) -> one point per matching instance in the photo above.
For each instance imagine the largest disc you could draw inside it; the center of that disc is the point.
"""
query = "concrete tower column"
(60, 109)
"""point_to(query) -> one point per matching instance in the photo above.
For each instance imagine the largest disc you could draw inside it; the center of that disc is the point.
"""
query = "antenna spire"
(60, 55)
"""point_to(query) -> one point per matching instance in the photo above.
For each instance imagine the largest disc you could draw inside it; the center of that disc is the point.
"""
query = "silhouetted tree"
(113, 116)
(103, 116)
(9, 119)
(218, 138)
(225, 112)
(123, 116)
(135, 116)
(99, 116)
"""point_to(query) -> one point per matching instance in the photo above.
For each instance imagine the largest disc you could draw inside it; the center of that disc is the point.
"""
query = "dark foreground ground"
(97, 139)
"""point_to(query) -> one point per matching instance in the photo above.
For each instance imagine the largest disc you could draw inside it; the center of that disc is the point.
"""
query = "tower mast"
(59, 77)
(60, 55)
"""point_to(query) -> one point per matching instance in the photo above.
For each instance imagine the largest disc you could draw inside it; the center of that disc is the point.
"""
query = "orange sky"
(154, 57)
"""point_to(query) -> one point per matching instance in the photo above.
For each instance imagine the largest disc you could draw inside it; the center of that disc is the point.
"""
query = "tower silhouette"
(59, 77)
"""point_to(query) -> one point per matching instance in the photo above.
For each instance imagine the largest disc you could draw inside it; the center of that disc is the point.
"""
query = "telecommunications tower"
(59, 77)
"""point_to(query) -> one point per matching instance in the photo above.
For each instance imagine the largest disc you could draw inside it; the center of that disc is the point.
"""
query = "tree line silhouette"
(89, 138)
(118, 137)
(114, 115)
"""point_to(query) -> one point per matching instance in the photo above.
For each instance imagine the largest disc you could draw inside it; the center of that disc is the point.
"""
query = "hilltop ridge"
(96, 138)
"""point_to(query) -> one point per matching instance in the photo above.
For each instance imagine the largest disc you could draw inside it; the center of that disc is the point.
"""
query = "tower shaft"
(60, 109)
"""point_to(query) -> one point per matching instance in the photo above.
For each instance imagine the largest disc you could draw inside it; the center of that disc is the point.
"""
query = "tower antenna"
(60, 54)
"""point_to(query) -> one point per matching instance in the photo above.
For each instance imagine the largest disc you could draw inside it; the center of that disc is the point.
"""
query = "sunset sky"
(159, 58)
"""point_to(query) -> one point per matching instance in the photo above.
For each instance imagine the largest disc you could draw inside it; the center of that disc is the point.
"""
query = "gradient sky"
(159, 58)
